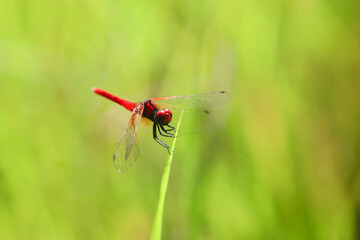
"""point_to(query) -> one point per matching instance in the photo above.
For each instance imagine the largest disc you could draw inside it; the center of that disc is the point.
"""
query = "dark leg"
(168, 130)
(171, 127)
(166, 134)
(158, 140)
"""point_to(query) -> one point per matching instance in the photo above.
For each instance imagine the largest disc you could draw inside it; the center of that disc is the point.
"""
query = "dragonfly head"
(163, 117)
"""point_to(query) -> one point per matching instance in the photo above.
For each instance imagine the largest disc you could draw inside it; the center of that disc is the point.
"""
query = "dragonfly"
(157, 110)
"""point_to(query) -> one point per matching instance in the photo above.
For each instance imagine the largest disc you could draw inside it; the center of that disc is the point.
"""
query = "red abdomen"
(126, 104)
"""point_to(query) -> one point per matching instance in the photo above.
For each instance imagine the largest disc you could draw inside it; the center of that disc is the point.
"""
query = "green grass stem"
(157, 227)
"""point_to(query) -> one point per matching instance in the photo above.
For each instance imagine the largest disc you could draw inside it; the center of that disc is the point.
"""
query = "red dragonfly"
(157, 111)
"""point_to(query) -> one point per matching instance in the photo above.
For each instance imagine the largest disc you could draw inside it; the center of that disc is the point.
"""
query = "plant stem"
(157, 227)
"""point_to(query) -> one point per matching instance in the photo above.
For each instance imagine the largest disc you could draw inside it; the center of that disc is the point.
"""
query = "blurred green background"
(282, 161)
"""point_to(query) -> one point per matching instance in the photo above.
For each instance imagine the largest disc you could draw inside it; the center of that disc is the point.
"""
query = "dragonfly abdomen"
(126, 104)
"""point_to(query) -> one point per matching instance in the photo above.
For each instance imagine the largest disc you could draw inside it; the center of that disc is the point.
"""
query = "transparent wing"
(202, 100)
(128, 148)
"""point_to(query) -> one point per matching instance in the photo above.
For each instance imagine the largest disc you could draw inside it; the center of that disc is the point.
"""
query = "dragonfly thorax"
(163, 117)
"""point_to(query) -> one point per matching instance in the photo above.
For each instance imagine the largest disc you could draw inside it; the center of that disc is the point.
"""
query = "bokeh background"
(280, 162)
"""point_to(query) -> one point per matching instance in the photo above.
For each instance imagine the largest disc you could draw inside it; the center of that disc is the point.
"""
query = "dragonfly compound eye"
(163, 117)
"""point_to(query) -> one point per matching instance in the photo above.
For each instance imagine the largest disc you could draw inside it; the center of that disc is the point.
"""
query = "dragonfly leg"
(158, 140)
(171, 127)
(168, 130)
(160, 127)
